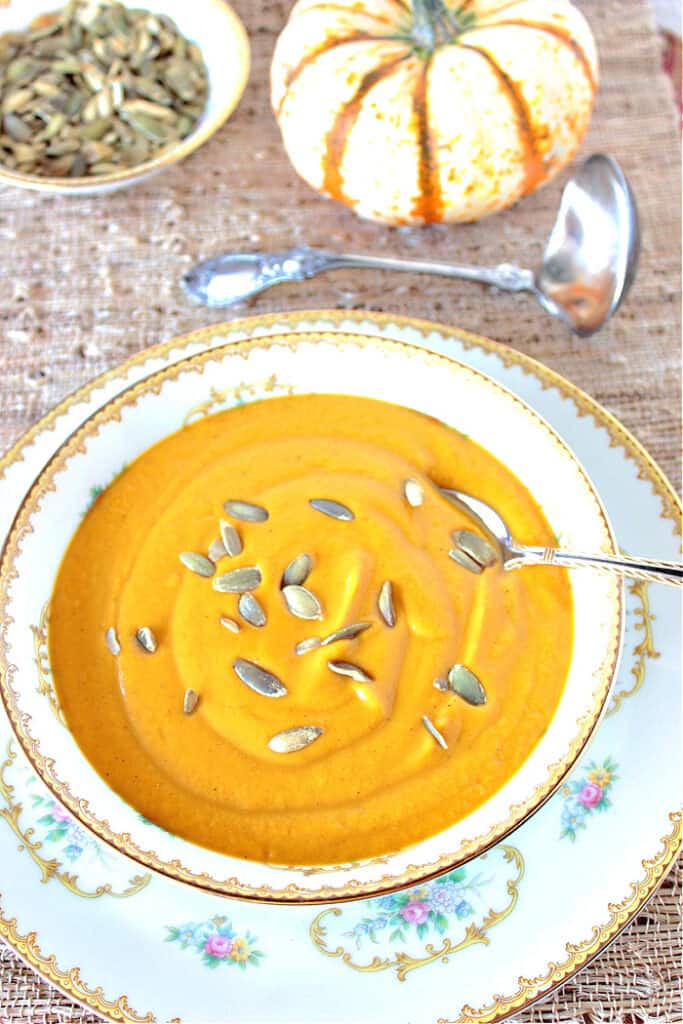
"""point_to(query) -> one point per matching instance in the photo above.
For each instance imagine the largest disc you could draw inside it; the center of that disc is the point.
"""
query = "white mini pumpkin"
(432, 110)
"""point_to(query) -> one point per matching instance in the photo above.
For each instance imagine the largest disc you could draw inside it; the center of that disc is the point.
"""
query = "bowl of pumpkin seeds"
(99, 94)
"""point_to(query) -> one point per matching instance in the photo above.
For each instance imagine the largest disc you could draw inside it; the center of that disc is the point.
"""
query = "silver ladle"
(589, 263)
(514, 555)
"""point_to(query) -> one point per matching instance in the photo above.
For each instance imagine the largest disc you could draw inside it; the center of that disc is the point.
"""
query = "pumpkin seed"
(150, 89)
(156, 110)
(24, 153)
(63, 146)
(52, 128)
(216, 550)
(146, 639)
(238, 581)
(413, 492)
(230, 624)
(310, 644)
(464, 560)
(346, 633)
(298, 571)
(96, 152)
(291, 740)
(347, 668)
(95, 128)
(112, 641)
(190, 701)
(302, 602)
(16, 100)
(333, 509)
(251, 610)
(231, 539)
(103, 167)
(475, 547)
(150, 127)
(95, 58)
(441, 683)
(431, 728)
(16, 128)
(179, 77)
(22, 70)
(258, 679)
(198, 564)
(246, 511)
(385, 603)
(464, 682)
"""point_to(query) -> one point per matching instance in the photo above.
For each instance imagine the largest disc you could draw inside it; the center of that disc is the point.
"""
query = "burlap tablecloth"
(86, 282)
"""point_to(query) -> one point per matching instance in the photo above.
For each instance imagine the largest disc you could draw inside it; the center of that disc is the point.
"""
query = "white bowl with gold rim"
(220, 35)
(252, 371)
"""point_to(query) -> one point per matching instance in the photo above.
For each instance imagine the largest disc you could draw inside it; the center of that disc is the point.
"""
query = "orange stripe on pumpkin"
(359, 8)
(328, 44)
(535, 171)
(564, 38)
(428, 204)
(337, 137)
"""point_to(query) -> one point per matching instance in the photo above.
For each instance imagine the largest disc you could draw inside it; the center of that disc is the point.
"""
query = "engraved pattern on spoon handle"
(650, 570)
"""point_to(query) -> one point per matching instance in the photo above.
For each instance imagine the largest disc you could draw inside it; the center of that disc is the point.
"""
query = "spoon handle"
(636, 568)
(236, 276)
(505, 276)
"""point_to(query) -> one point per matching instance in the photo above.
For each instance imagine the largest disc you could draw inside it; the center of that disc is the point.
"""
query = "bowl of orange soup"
(249, 641)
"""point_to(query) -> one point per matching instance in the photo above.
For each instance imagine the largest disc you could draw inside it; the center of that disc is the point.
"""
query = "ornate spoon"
(514, 555)
(588, 267)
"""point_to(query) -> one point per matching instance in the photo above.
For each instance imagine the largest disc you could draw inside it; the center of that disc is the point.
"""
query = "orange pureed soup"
(390, 757)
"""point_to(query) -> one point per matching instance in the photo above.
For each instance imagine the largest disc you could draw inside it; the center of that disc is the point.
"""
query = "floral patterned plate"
(253, 371)
(476, 945)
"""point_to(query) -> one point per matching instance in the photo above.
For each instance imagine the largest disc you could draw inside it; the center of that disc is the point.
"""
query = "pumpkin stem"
(435, 24)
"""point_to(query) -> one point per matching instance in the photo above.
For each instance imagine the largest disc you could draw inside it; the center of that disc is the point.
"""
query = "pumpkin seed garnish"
(464, 682)
(465, 561)
(346, 633)
(291, 740)
(146, 638)
(246, 511)
(309, 644)
(432, 729)
(413, 492)
(333, 509)
(238, 581)
(475, 547)
(216, 550)
(385, 603)
(112, 641)
(298, 571)
(258, 679)
(190, 701)
(96, 63)
(302, 602)
(251, 611)
(347, 668)
(229, 623)
(198, 564)
(231, 539)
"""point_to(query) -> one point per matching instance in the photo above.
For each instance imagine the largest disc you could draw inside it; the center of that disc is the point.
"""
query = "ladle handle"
(505, 276)
(636, 568)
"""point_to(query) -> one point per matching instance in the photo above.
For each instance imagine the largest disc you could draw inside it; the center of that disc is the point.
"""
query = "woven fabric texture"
(86, 282)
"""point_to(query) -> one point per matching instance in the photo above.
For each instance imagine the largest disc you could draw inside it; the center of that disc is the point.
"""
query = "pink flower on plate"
(59, 814)
(590, 794)
(414, 913)
(219, 946)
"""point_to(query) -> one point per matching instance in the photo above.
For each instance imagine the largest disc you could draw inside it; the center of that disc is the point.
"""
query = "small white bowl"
(255, 370)
(222, 38)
